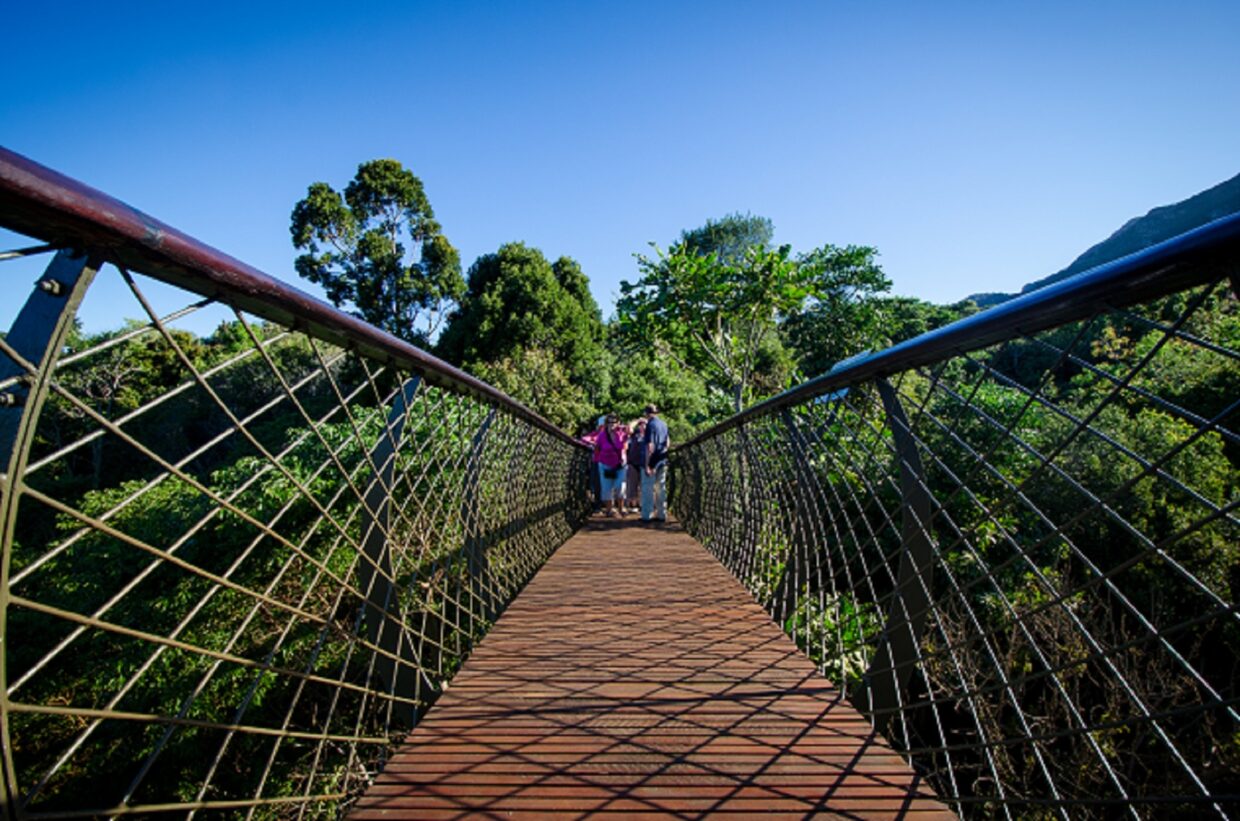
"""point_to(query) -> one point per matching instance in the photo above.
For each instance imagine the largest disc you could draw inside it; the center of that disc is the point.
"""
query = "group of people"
(630, 462)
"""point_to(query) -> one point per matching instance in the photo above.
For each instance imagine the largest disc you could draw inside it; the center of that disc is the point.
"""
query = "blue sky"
(978, 146)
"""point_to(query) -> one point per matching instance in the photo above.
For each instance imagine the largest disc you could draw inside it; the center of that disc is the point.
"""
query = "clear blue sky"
(978, 145)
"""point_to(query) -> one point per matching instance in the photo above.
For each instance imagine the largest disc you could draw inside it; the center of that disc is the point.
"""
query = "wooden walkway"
(634, 676)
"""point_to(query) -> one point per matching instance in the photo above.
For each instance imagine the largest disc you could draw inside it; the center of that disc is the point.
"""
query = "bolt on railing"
(236, 567)
(1014, 541)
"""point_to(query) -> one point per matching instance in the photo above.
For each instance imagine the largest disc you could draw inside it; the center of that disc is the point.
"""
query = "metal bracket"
(38, 336)
(886, 682)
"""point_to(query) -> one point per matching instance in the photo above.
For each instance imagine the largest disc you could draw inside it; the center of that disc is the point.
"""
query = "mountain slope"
(1160, 224)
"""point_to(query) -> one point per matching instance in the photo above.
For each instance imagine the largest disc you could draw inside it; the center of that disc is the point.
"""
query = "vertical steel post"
(471, 511)
(885, 684)
(399, 671)
(38, 337)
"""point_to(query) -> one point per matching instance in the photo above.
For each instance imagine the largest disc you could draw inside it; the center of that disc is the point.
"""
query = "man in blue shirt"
(654, 477)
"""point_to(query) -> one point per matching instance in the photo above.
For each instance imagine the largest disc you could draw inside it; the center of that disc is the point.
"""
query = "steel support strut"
(471, 514)
(884, 686)
(38, 338)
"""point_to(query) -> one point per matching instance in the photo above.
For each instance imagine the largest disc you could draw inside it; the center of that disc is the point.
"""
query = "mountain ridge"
(1158, 224)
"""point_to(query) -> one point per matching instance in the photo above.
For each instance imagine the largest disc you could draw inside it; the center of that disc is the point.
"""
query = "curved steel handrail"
(48, 205)
(1173, 265)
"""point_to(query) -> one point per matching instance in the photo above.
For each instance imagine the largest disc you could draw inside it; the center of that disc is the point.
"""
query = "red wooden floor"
(634, 676)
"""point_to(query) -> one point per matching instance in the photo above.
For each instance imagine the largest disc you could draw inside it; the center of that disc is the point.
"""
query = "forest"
(719, 320)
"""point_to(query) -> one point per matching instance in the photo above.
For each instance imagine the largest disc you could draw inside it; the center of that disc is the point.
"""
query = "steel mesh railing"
(236, 566)
(1014, 542)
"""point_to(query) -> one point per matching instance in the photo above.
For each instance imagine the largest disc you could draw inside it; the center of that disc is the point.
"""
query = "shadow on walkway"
(635, 676)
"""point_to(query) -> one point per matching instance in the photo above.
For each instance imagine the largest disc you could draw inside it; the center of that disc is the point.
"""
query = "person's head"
(651, 410)
(639, 424)
(613, 420)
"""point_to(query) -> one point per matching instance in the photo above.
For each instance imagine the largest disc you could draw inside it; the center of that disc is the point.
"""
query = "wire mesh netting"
(240, 563)
(1021, 561)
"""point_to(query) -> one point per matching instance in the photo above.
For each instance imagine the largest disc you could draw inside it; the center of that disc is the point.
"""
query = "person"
(589, 437)
(636, 453)
(610, 456)
(654, 474)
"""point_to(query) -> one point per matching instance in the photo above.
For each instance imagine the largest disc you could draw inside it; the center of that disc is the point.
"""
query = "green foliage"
(711, 316)
(730, 238)
(525, 319)
(837, 633)
(845, 317)
(723, 303)
(904, 317)
(536, 377)
(639, 375)
(378, 251)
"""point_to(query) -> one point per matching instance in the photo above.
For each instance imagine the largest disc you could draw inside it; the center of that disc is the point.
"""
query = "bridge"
(302, 568)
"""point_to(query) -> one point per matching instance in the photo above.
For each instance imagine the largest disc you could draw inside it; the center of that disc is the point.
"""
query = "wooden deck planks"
(634, 676)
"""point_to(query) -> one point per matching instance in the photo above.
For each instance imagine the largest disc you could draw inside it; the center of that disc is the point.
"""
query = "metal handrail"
(43, 203)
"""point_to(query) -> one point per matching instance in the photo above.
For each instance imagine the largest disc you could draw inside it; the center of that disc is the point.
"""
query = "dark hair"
(652, 408)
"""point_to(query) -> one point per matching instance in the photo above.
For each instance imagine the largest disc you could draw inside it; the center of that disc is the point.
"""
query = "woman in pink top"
(609, 453)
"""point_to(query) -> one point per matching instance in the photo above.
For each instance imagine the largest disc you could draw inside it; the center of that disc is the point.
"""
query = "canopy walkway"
(635, 675)
(295, 567)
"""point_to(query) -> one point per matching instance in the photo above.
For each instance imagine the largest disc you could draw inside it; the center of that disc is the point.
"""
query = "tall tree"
(378, 251)
(845, 315)
(516, 301)
(730, 237)
(713, 316)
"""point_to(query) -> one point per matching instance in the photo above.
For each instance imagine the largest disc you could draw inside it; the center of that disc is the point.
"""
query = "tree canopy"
(531, 324)
(845, 315)
(722, 301)
(378, 251)
(710, 315)
(730, 237)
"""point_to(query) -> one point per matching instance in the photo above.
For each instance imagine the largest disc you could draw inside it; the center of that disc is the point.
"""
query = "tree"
(713, 316)
(518, 302)
(378, 251)
(536, 377)
(844, 317)
(729, 238)
(905, 317)
(639, 376)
